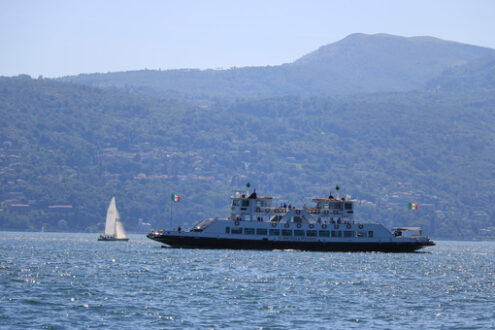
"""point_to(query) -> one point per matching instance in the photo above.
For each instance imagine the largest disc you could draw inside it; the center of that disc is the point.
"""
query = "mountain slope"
(389, 62)
(65, 144)
(475, 75)
(359, 63)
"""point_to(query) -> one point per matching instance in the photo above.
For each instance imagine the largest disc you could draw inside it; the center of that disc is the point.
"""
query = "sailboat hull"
(112, 239)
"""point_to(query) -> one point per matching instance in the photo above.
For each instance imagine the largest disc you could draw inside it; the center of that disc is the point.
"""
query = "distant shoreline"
(441, 239)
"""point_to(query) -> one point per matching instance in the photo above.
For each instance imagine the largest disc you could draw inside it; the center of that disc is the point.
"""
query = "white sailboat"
(114, 230)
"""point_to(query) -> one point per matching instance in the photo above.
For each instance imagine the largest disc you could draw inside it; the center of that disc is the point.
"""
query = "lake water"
(70, 280)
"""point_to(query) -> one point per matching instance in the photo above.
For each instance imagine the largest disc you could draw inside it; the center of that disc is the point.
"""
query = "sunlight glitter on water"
(71, 280)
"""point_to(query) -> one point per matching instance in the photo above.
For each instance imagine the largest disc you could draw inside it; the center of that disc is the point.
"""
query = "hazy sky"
(55, 38)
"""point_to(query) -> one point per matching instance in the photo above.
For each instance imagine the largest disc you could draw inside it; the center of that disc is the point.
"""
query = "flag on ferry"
(175, 198)
(413, 206)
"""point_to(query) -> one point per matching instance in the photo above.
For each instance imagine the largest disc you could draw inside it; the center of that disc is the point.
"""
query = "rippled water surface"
(71, 280)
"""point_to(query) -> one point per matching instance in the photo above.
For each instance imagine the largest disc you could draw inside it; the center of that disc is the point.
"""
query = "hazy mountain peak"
(359, 63)
(384, 62)
(359, 35)
(374, 46)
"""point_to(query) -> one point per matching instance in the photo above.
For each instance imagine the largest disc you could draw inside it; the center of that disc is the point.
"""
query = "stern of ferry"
(412, 238)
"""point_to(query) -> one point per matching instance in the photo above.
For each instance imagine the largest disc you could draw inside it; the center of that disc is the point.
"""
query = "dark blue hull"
(178, 241)
(112, 239)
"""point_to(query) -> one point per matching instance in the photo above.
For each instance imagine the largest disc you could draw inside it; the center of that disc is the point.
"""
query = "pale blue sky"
(55, 38)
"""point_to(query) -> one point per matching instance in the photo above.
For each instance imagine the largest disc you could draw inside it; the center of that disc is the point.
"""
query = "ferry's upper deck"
(251, 207)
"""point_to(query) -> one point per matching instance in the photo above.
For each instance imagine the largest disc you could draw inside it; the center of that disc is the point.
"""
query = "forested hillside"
(66, 149)
(475, 75)
(359, 63)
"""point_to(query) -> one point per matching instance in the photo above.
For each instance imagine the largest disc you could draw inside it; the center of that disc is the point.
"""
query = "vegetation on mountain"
(67, 148)
(478, 74)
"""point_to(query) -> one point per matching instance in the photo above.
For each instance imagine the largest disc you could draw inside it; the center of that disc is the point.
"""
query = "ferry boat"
(256, 224)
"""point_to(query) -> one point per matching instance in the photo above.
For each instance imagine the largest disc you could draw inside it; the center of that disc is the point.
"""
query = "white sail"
(119, 228)
(112, 215)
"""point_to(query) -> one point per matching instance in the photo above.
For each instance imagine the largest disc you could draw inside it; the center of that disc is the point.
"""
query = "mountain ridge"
(359, 63)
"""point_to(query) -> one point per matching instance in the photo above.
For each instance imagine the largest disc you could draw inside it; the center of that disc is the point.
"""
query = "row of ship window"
(262, 203)
(298, 232)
